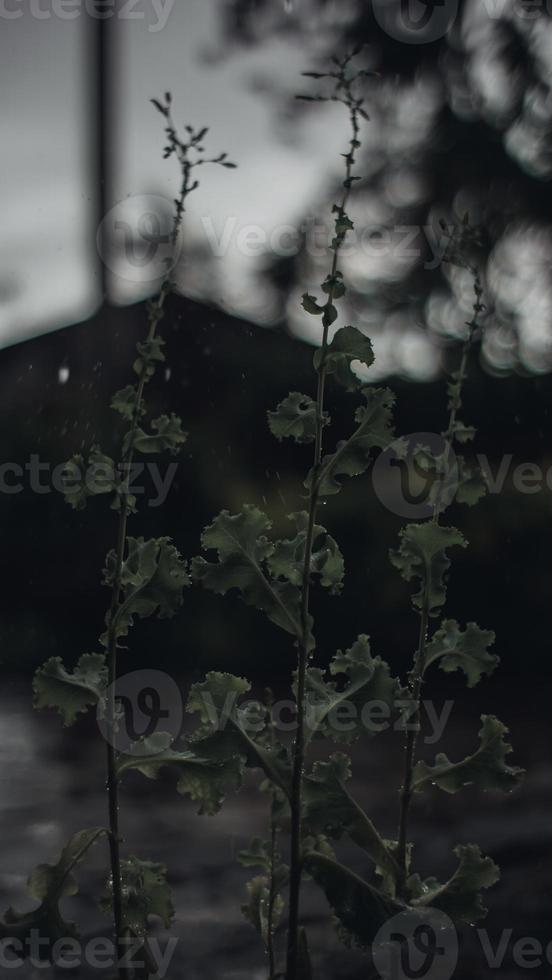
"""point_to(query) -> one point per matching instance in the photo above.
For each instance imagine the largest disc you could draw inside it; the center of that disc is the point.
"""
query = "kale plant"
(311, 800)
(145, 578)
(277, 577)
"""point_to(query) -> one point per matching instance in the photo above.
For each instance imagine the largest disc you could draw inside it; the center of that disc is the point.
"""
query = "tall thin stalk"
(183, 152)
(344, 93)
(417, 673)
(274, 857)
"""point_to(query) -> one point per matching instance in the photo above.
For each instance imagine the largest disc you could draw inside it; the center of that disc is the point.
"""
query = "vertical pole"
(101, 30)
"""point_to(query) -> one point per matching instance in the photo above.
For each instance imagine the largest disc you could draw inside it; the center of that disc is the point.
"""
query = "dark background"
(225, 374)
(224, 377)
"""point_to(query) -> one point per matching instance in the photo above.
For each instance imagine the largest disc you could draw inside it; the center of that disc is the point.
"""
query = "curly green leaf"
(343, 713)
(206, 782)
(486, 768)
(84, 479)
(242, 551)
(348, 345)
(145, 893)
(125, 402)
(70, 692)
(48, 884)
(352, 456)
(422, 555)
(361, 910)
(459, 897)
(295, 418)
(451, 649)
(288, 557)
(230, 728)
(329, 809)
(153, 578)
(168, 436)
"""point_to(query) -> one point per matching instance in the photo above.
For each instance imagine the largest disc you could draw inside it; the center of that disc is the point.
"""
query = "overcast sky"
(48, 264)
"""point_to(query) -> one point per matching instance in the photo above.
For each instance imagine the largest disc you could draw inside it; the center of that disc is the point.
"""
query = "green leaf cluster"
(243, 553)
(422, 555)
(206, 781)
(468, 651)
(93, 477)
(460, 897)
(152, 579)
(337, 712)
(485, 768)
(295, 418)
(353, 455)
(167, 436)
(265, 906)
(48, 884)
(230, 728)
(70, 692)
(348, 346)
(146, 893)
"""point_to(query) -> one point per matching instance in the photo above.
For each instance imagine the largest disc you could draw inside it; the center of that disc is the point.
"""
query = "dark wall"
(224, 375)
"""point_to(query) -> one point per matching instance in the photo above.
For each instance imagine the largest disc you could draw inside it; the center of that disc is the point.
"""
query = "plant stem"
(416, 681)
(273, 892)
(417, 673)
(456, 400)
(155, 316)
(296, 863)
(299, 747)
(112, 648)
(272, 897)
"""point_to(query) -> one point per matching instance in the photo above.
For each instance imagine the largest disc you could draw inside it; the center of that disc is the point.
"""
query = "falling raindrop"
(63, 375)
(288, 6)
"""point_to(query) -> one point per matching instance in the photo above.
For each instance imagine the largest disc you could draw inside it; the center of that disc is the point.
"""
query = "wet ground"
(52, 784)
